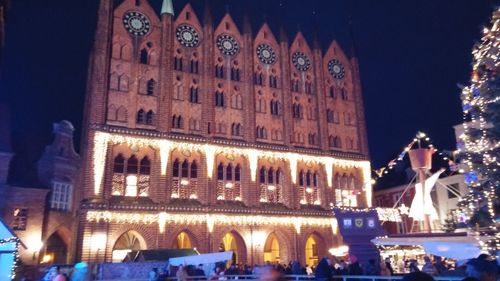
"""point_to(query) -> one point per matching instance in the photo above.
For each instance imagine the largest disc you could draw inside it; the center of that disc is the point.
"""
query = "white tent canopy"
(201, 259)
(454, 247)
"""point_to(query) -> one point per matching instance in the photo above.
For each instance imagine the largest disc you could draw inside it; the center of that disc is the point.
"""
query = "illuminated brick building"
(199, 135)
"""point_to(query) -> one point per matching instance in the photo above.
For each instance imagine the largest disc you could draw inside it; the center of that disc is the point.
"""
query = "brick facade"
(267, 107)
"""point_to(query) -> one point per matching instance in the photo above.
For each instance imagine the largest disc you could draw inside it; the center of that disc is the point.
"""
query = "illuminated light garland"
(384, 214)
(163, 218)
(164, 155)
(474, 102)
(16, 261)
(99, 159)
(101, 140)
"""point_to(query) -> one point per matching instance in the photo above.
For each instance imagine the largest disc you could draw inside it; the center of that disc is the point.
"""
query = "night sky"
(412, 54)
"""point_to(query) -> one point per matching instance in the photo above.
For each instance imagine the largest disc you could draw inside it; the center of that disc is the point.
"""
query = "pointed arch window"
(144, 56)
(141, 116)
(331, 92)
(228, 182)
(258, 79)
(343, 93)
(193, 94)
(193, 67)
(149, 117)
(346, 193)
(151, 85)
(184, 179)
(219, 99)
(235, 74)
(270, 185)
(178, 63)
(177, 122)
(219, 71)
(309, 187)
(131, 176)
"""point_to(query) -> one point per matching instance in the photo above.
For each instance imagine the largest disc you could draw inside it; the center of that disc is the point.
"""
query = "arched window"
(273, 81)
(237, 173)
(235, 74)
(270, 175)
(262, 175)
(141, 118)
(329, 116)
(343, 92)
(132, 165)
(151, 87)
(193, 67)
(219, 71)
(229, 172)
(145, 166)
(114, 81)
(144, 57)
(178, 63)
(219, 99)
(193, 94)
(220, 172)
(119, 164)
(331, 92)
(149, 117)
(309, 88)
(228, 183)
(194, 170)
(123, 83)
(175, 168)
(185, 169)
(258, 79)
(278, 176)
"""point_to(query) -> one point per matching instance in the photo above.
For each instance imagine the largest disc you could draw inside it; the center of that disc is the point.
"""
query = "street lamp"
(34, 244)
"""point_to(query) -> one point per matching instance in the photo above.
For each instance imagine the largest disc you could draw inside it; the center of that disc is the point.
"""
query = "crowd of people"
(483, 268)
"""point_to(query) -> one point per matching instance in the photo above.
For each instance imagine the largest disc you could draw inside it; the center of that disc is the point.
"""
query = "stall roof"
(159, 254)
(202, 259)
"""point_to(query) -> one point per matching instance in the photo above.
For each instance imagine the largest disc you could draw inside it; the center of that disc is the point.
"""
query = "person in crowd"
(429, 267)
(342, 270)
(484, 268)
(80, 272)
(153, 274)
(59, 275)
(384, 271)
(199, 270)
(269, 273)
(323, 270)
(232, 270)
(418, 276)
(354, 268)
(296, 268)
(372, 268)
(438, 264)
(51, 274)
(401, 266)
(181, 273)
(413, 266)
(309, 270)
(388, 264)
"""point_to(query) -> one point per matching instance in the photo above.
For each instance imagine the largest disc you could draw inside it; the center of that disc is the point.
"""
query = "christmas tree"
(480, 149)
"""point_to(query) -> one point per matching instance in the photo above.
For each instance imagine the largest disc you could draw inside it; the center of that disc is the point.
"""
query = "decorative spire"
(247, 26)
(316, 42)
(283, 35)
(167, 7)
(207, 15)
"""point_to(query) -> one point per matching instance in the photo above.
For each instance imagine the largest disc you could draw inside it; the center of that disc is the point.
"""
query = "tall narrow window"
(193, 67)
(144, 58)
(20, 219)
(149, 117)
(143, 177)
(141, 117)
(193, 94)
(219, 99)
(178, 63)
(228, 182)
(151, 87)
(184, 179)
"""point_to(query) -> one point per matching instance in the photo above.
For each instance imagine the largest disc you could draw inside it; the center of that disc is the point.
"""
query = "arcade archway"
(182, 241)
(272, 249)
(311, 251)
(232, 241)
(127, 242)
(56, 250)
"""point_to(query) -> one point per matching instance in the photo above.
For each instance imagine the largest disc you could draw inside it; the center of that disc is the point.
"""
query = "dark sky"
(412, 54)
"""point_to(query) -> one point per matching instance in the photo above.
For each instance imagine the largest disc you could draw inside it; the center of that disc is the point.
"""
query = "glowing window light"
(229, 185)
(131, 188)
(292, 158)
(184, 182)
(271, 187)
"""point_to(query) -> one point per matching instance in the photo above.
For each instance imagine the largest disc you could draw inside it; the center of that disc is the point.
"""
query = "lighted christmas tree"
(480, 149)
